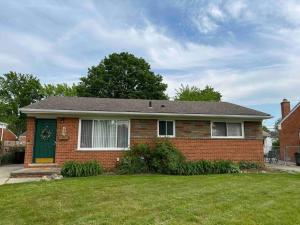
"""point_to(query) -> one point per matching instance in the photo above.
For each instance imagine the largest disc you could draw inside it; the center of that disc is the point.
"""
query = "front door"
(45, 140)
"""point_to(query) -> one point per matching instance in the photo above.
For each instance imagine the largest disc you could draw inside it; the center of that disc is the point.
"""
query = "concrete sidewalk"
(5, 174)
(6, 170)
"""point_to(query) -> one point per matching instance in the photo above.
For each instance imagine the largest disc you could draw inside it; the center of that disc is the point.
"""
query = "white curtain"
(104, 134)
(122, 134)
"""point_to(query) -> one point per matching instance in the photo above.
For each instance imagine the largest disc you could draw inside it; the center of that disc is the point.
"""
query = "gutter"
(54, 111)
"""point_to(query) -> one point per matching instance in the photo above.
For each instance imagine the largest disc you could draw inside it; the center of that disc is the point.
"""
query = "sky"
(247, 50)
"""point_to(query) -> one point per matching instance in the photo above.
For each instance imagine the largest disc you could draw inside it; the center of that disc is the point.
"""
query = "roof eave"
(78, 112)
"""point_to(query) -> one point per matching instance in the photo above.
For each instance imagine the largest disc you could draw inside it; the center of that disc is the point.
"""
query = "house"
(82, 128)
(22, 139)
(6, 134)
(289, 131)
(7, 137)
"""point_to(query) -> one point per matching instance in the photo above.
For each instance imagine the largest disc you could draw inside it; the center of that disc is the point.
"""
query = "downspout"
(2, 131)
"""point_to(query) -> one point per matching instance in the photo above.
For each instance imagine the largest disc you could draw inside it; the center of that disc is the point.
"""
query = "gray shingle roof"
(141, 106)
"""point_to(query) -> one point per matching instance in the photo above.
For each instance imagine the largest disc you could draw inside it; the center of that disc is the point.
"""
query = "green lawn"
(214, 199)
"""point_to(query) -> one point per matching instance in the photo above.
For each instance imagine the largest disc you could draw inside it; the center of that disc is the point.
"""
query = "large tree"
(59, 90)
(193, 93)
(17, 90)
(122, 76)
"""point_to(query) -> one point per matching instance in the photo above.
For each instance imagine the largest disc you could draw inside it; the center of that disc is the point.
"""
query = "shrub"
(136, 160)
(165, 158)
(244, 165)
(206, 167)
(77, 169)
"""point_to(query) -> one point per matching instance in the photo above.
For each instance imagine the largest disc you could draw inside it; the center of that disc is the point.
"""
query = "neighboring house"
(6, 134)
(7, 138)
(77, 128)
(289, 130)
(22, 139)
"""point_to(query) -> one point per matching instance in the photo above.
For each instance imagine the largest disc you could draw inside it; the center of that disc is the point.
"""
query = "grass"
(214, 199)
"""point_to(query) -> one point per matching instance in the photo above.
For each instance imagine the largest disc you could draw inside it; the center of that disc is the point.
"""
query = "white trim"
(227, 137)
(2, 133)
(101, 149)
(24, 110)
(290, 113)
(166, 136)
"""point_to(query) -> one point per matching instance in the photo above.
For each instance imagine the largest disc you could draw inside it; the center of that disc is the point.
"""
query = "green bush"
(165, 158)
(244, 165)
(136, 160)
(206, 167)
(77, 169)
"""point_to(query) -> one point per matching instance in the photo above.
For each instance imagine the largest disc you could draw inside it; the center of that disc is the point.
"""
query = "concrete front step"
(35, 172)
(42, 165)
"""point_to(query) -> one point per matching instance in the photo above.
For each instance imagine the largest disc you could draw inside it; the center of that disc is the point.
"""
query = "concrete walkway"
(285, 168)
(5, 175)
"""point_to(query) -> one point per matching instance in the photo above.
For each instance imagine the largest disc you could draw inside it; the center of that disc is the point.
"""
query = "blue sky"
(247, 50)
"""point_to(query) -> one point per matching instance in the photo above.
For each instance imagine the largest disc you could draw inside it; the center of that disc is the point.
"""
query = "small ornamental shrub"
(136, 160)
(244, 165)
(77, 169)
(165, 158)
(206, 167)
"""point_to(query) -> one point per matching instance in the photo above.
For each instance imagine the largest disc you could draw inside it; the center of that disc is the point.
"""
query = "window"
(223, 129)
(104, 134)
(166, 128)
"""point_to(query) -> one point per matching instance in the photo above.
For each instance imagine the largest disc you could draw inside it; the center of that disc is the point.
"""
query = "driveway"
(6, 170)
(282, 167)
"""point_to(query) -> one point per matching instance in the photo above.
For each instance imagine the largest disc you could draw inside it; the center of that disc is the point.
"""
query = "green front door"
(45, 140)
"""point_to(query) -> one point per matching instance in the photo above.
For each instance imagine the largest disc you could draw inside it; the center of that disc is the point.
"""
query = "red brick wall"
(8, 135)
(193, 148)
(29, 141)
(215, 149)
(289, 134)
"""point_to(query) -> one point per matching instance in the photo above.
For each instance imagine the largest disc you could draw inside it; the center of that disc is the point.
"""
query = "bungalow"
(82, 128)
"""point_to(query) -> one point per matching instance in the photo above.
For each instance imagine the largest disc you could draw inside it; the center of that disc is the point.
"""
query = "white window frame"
(229, 137)
(166, 136)
(102, 149)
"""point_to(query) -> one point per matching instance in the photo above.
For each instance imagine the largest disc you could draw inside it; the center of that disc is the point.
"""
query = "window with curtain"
(224, 129)
(166, 128)
(104, 134)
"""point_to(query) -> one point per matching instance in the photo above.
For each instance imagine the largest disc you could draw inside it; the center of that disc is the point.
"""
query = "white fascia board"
(68, 112)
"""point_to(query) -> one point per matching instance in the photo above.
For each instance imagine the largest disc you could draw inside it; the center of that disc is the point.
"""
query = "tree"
(275, 134)
(59, 90)
(122, 76)
(186, 93)
(266, 129)
(17, 90)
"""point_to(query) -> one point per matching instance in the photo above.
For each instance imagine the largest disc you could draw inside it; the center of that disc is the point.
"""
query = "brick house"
(76, 128)
(7, 137)
(289, 131)
(6, 134)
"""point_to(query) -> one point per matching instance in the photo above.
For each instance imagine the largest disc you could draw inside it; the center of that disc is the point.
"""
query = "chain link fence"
(284, 155)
